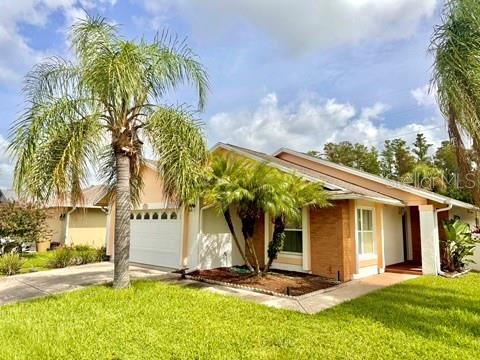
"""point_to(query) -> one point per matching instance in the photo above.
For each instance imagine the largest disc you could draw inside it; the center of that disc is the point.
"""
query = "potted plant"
(43, 244)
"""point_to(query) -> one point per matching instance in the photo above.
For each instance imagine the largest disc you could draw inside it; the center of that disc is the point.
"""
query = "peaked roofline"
(392, 183)
(338, 192)
(251, 155)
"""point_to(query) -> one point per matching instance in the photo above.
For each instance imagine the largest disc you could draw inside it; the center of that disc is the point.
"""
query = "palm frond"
(172, 63)
(455, 45)
(178, 143)
(52, 143)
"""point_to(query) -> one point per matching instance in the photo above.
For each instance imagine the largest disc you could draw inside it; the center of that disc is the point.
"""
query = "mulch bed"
(282, 282)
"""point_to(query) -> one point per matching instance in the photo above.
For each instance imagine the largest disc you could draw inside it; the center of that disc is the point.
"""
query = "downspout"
(67, 223)
(437, 253)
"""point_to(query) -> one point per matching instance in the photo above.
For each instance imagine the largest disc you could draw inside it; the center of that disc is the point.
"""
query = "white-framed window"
(293, 242)
(365, 231)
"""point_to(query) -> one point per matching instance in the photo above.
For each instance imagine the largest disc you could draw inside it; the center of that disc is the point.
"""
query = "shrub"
(85, 254)
(23, 223)
(62, 257)
(10, 264)
(459, 245)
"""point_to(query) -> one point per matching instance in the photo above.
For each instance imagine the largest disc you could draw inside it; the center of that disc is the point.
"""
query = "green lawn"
(426, 318)
(36, 261)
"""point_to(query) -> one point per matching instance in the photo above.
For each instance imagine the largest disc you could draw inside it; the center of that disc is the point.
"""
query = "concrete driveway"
(33, 285)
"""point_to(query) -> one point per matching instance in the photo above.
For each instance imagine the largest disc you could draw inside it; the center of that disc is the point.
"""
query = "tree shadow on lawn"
(430, 311)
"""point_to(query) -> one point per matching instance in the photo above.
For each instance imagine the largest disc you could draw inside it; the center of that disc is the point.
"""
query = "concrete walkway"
(33, 285)
(43, 283)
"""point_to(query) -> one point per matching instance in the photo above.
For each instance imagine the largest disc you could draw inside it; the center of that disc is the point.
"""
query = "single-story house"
(82, 224)
(373, 225)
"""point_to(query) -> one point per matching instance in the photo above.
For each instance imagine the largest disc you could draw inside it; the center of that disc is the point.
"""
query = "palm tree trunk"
(248, 226)
(121, 276)
(254, 255)
(276, 244)
(228, 219)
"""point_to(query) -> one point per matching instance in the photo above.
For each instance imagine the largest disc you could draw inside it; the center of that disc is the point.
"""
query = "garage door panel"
(155, 241)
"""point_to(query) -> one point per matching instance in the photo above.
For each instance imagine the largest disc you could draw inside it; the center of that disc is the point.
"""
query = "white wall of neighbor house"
(470, 217)
(393, 235)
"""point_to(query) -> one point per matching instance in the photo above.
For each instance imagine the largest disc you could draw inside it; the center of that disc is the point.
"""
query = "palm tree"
(98, 111)
(223, 191)
(455, 45)
(291, 193)
(246, 186)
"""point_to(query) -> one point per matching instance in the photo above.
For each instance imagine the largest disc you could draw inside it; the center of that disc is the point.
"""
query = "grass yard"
(426, 318)
(36, 261)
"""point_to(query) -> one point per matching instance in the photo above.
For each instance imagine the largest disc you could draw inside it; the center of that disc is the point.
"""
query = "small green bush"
(85, 254)
(62, 257)
(459, 246)
(10, 264)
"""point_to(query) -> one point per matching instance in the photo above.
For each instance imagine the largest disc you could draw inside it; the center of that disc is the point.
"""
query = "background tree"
(420, 149)
(457, 186)
(426, 176)
(455, 45)
(396, 159)
(98, 111)
(355, 155)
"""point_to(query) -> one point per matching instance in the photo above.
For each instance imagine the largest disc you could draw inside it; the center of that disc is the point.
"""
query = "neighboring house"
(373, 223)
(7, 195)
(83, 224)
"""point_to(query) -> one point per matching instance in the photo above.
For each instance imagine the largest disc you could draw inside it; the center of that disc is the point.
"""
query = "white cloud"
(311, 123)
(17, 55)
(424, 95)
(6, 165)
(307, 24)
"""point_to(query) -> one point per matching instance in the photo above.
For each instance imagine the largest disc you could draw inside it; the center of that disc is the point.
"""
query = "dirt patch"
(283, 282)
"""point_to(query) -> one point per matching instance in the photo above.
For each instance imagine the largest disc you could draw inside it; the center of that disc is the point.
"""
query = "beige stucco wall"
(152, 187)
(56, 224)
(87, 227)
(393, 235)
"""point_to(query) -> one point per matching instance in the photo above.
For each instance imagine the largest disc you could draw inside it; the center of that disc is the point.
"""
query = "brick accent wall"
(332, 247)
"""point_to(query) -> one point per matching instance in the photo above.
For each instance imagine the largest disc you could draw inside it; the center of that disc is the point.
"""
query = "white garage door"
(155, 237)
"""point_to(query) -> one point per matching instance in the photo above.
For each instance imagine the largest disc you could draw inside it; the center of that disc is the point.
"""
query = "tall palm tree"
(98, 111)
(291, 193)
(455, 45)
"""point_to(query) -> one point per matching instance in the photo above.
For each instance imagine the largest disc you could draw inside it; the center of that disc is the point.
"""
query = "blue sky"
(281, 74)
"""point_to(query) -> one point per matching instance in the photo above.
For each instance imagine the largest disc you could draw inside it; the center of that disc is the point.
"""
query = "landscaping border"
(458, 274)
(334, 283)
